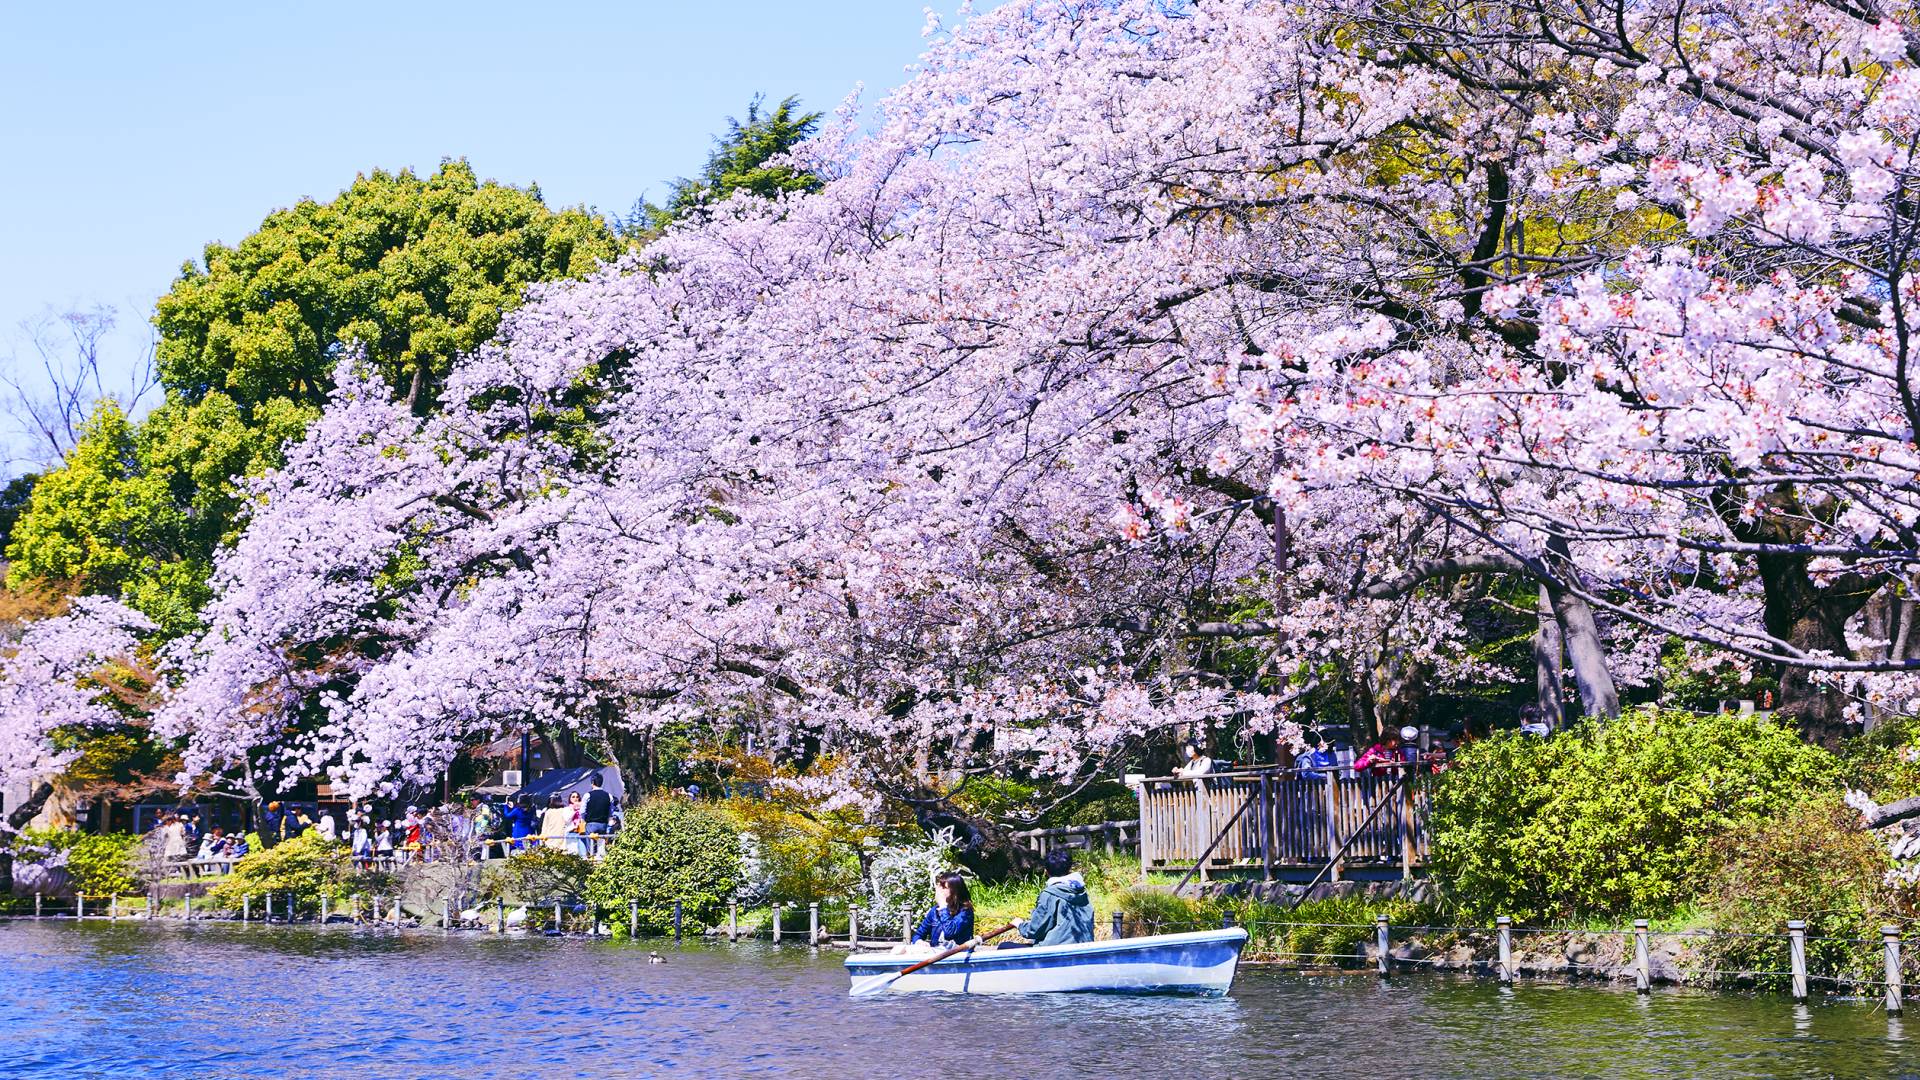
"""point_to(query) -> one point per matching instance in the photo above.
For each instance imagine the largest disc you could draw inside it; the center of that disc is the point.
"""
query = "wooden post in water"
(1504, 929)
(79, 906)
(633, 918)
(323, 907)
(187, 915)
(398, 910)
(676, 922)
(906, 926)
(269, 917)
(1797, 957)
(733, 920)
(813, 923)
(113, 907)
(853, 927)
(246, 907)
(446, 913)
(1119, 925)
(1383, 943)
(556, 916)
(499, 914)
(36, 905)
(1642, 958)
(1890, 943)
(776, 924)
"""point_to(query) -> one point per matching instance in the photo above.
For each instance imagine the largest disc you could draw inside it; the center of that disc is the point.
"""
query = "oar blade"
(872, 984)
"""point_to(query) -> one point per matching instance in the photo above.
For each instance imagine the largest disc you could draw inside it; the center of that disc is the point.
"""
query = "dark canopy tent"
(566, 781)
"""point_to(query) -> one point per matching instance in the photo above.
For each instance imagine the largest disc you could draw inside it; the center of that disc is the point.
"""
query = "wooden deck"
(1283, 823)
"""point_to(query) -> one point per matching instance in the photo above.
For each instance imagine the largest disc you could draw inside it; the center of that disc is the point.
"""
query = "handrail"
(1286, 770)
(1334, 860)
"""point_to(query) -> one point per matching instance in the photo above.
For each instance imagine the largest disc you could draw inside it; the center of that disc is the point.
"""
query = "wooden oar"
(881, 982)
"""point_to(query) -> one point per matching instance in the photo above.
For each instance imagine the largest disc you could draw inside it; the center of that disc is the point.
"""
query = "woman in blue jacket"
(950, 920)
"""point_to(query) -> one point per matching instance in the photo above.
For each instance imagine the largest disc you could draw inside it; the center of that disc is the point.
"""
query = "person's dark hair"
(525, 802)
(553, 800)
(1059, 862)
(957, 894)
(598, 780)
(1529, 713)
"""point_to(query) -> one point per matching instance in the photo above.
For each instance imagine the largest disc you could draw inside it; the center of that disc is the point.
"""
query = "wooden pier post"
(269, 917)
(676, 922)
(633, 918)
(1504, 929)
(1383, 944)
(776, 924)
(323, 907)
(1266, 827)
(733, 920)
(853, 928)
(556, 917)
(1332, 798)
(906, 926)
(446, 913)
(1642, 958)
(1797, 957)
(1119, 925)
(246, 907)
(79, 906)
(36, 905)
(187, 915)
(1890, 943)
(398, 911)
(1407, 838)
(113, 907)
(813, 923)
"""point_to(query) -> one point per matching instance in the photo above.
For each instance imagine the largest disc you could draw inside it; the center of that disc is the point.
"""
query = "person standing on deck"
(555, 822)
(1063, 913)
(597, 814)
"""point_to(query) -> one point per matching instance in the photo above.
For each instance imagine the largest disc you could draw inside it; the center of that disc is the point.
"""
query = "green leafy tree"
(412, 271)
(670, 849)
(415, 271)
(140, 510)
(305, 867)
(1612, 820)
(742, 160)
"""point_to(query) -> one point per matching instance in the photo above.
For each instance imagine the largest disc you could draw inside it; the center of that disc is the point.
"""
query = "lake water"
(222, 1000)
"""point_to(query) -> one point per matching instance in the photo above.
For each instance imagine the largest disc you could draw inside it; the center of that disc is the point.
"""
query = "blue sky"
(136, 133)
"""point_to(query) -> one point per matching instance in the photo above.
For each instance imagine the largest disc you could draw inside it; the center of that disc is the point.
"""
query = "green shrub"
(1328, 931)
(670, 849)
(1616, 819)
(306, 867)
(1885, 762)
(1814, 862)
(537, 877)
(101, 864)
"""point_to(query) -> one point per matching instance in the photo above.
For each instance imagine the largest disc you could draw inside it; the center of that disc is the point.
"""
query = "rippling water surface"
(220, 1000)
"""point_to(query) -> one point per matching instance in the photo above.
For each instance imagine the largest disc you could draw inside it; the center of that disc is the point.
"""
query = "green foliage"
(739, 162)
(415, 271)
(1684, 685)
(1102, 802)
(305, 866)
(1814, 862)
(1885, 762)
(1328, 931)
(140, 511)
(101, 864)
(540, 876)
(412, 271)
(670, 849)
(1617, 819)
(13, 502)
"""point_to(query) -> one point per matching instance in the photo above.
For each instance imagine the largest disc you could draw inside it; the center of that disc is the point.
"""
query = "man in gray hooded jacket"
(1063, 915)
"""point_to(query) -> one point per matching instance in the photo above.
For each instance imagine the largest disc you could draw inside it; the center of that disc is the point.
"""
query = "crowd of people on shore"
(579, 823)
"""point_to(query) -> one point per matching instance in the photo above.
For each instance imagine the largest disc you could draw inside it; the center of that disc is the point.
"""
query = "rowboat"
(1197, 963)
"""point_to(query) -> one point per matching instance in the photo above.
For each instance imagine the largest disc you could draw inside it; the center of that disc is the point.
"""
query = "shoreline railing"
(1281, 821)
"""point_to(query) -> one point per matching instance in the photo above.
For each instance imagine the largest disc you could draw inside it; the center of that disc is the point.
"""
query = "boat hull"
(1198, 963)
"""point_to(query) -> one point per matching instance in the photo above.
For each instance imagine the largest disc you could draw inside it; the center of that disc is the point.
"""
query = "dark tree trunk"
(1811, 619)
(985, 847)
(635, 753)
(1548, 646)
(17, 819)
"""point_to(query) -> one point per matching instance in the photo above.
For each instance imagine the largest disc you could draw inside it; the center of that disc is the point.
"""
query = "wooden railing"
(1110, 836)
(1287, 821)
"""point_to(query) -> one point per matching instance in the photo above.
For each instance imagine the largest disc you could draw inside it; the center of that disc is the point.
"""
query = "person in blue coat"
(949, 921)
(521, 821)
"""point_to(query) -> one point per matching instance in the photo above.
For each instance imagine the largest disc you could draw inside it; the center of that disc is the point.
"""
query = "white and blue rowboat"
(1200, 963)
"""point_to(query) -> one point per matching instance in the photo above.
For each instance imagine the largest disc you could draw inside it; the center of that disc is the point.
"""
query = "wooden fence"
(1108, 836)
(1284, 822)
